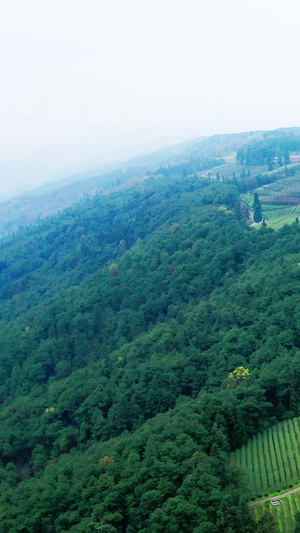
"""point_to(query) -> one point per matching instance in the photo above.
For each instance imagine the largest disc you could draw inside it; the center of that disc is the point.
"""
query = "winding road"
(254, 504)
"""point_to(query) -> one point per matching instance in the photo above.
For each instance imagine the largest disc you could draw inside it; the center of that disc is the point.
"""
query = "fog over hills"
(57, 163)
(96, 176)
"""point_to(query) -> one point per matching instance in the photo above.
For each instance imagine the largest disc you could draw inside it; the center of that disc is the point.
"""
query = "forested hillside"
(182, 159)
(228, 156)
(123, 321)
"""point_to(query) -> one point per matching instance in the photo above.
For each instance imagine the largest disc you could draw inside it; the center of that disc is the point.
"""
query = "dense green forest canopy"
(181, 160)
(123, 320)
(265, 151)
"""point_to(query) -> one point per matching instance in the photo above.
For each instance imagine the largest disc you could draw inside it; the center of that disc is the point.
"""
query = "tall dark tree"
(240, 156)
(257, 216)
(297, 522)
(287, 157)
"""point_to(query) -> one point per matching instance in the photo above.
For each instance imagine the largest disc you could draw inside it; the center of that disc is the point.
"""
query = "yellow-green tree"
(236, 377)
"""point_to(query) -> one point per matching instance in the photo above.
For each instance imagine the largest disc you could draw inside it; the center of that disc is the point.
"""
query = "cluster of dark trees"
(187, 168)
(122, 319)
(265, 151)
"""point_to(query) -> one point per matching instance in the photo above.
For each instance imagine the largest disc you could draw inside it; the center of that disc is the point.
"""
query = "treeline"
(249, 183)
(264, 152)
(185, 169)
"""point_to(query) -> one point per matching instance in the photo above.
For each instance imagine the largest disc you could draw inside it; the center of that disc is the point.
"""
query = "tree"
(122, 244)
(174, 228)
(257, 216)
(240, 156)
(237, 376)
(113, 270)
(95, 526)
(287, 157)
(297, 522)
(266, 523)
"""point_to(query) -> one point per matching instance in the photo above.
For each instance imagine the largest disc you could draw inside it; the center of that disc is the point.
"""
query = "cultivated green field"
(271, 460)
(284, 187)
(276, 215)
(284, 514)
(231, 166)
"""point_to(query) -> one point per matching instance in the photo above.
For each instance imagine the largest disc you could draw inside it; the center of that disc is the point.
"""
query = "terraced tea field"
(283, 514)
(231, 167)
(280, 201)
(278, 215)
(271, 460)
(271, 464)
(284, 187)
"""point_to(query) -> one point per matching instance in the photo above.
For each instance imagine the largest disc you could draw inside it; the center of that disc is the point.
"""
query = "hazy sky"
(95, 75)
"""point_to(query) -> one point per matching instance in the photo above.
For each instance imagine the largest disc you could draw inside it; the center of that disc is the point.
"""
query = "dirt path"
(254, 504)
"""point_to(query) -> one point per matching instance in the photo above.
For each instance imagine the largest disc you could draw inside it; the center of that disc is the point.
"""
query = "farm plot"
(285, 187)
(275, 215)
(278, 215)
(283, 514)
(271, 460)
(248, 198)
(280, 201)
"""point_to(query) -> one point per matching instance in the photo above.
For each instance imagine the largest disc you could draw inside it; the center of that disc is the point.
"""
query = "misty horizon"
(114, 80)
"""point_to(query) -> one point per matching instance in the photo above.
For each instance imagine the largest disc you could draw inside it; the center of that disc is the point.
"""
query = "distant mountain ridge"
(52, 197)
